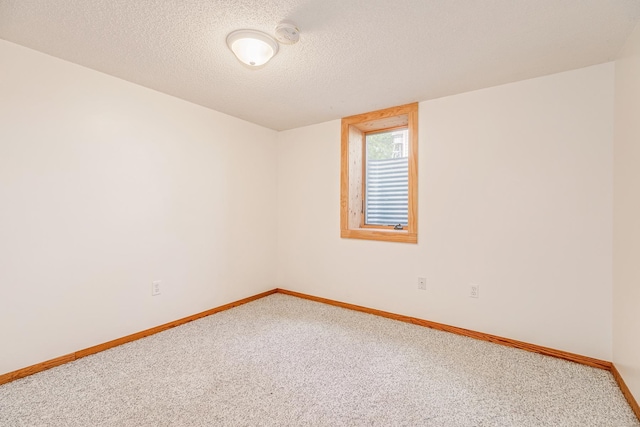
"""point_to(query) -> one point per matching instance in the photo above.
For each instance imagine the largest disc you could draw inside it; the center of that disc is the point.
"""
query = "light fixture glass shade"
(251, 47)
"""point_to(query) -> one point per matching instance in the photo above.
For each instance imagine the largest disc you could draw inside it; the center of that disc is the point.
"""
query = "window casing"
(379, 175)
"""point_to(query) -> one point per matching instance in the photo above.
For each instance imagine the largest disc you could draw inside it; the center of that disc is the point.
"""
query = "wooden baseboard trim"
(34, 369)
(584, 360)
(30, 370)
(596, 363)
(625, 391)
(133, 337)
(589, 361)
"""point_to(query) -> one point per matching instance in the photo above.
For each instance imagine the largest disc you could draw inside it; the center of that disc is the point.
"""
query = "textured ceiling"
(354, 56)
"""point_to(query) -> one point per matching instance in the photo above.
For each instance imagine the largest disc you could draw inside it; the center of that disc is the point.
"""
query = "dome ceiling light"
(252, 47)
(255, 48)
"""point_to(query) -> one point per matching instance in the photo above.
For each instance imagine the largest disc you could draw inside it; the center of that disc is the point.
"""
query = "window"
(379, 175)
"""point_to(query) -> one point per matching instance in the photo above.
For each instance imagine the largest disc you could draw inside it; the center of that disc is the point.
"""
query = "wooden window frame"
(353, 132)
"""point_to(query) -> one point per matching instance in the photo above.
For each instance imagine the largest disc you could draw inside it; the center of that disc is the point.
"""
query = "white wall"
(515, 193)
(626, 248)
(106, 186)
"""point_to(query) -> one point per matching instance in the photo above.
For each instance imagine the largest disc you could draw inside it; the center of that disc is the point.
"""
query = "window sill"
(386, 235)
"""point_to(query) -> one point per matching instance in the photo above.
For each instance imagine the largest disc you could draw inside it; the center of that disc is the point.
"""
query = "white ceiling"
(354, 56)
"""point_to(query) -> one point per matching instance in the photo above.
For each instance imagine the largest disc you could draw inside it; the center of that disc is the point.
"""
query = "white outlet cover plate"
(474, 291)
(155, 288)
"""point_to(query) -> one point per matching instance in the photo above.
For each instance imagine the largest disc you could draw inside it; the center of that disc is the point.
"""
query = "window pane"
(387, 178)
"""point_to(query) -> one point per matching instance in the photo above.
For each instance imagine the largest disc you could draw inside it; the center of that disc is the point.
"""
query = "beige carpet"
(284, 361)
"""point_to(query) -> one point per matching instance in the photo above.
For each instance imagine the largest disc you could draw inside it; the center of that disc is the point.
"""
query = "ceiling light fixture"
(252, 47)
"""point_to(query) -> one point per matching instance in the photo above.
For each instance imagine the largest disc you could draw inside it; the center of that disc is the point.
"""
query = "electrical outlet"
(155, 288)
(474, 290)
(422, 283)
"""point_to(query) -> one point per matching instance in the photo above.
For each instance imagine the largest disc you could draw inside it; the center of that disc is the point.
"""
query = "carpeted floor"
(284, 361)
